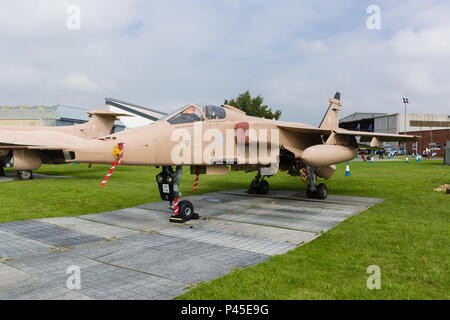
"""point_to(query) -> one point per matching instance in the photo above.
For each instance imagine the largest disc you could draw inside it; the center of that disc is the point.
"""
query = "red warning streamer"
(109, 174)
(196, 181)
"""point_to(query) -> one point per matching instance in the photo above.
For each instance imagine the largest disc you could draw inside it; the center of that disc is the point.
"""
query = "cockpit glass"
(170, 115)
(185, 115)
(214, 112)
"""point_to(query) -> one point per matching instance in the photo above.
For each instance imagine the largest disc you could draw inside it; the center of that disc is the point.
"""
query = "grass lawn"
(407, 235)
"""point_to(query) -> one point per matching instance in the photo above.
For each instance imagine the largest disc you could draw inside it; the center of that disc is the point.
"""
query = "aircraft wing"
(381, 137)
(10, 139)
(376, 139)
(305, 129)
(365, 136)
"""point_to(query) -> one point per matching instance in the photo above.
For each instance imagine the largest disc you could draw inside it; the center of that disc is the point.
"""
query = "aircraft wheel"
(252, 189)
(185, 210)
(310, 194)
(25, 175)
(263, 187)
(322, 191)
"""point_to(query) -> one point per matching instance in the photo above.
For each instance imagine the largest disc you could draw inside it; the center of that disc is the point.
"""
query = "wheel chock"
(176, 219)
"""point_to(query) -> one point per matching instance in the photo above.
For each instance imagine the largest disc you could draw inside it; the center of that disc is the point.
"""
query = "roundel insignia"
(219, 139)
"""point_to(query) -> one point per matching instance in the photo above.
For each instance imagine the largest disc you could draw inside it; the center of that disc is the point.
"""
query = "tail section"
(101, 123)
(331, 118)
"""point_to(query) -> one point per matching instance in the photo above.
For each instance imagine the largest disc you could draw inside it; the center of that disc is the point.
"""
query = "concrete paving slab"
(47, 233)
(11, 176)
(89, 227)
(172, 265)
(98, 280)
(204, 250)
(280, 222)
(298, 214)
(231, 240)
(136, 253)
(204, 205)
(12, 246)
(301, 196)
(133, 218)
(279, 234)
(18, 285)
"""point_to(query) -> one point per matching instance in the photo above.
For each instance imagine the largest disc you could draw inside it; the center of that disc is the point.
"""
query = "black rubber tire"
(263, 187)
(185, 210)
(310, 194)
(322, 191)
(25, 175)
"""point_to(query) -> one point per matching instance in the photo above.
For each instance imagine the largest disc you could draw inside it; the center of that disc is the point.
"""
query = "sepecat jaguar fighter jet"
(216, 139)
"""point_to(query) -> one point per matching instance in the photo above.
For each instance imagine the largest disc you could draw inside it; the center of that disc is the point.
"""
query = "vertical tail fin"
(331, 118)
(100, 124)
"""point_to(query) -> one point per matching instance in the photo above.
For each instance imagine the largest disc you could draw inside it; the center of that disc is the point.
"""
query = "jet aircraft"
(213, 140)
(20, 145)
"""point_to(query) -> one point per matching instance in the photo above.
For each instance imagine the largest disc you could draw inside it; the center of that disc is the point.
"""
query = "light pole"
(405, 101)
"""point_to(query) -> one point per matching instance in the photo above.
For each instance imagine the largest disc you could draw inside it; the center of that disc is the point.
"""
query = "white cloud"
(83, 83)
(164, 54)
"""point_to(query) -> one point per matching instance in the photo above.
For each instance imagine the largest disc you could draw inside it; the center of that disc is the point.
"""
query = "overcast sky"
(165, 54)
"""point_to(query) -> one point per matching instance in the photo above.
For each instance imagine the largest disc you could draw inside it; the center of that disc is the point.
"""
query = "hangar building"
(61, 115)
(434, 129)
(58, 115)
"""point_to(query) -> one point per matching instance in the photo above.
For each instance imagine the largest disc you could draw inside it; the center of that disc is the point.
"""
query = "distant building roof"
(58, 112)
(23, 112)
(68, 112)
(356, 116)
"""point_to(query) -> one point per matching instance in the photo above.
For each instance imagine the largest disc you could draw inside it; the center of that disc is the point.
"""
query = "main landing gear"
(314, 191)
(168, 184)
(24, 175)
(259, 185)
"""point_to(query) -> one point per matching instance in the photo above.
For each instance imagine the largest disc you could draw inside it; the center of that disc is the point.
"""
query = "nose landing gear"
(168, 184)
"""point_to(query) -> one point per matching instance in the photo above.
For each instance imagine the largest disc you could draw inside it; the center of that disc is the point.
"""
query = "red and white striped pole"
(175, 207)
(119, 158)
(196, 181)
(303, 174)
(109, 174)
(118, 162)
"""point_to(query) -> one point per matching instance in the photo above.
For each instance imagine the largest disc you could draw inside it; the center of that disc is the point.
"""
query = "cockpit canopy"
(193, 113)
(214, 112)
